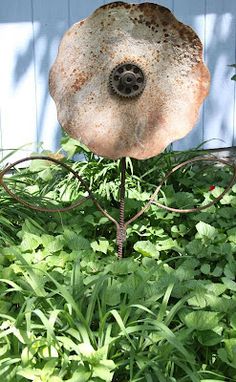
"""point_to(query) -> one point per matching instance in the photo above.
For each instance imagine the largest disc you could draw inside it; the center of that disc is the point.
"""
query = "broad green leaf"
(205, 230)
(148, 262)
(56, 261)
(56, 244)
(90, 219)
(217, 191)
(217, 272)
(230, 271)
(48, 352)
(71, 145)
(227, 199)
(230, 346)
(101, 245)
(233, 320)
(86, 350)
(166, 244)
(205, 269)
(146, 248)
(30, 242)
(187, 270)
(216, 288)
(201, 320)
(75, 242)
(180, 230)
(135, 194)
(222, 354)
(124, 267)
(104, 370)
(27, 355)
(103, 220)
(46, 239)
(196, 247)
(46, 175)
(4, 350)
(184, 200)
(209, 338)
(112, 295)
(89, 354)
(232, 235)
(29, 373)
(199, 299)
(49, 368)
(68, 344)
(230, 284)
(82, 374)
(40, 164)
(227, 212)
(220, 304)
(134, 287)
(31, 226)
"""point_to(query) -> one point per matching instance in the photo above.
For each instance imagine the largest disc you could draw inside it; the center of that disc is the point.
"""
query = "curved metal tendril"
(121, 225)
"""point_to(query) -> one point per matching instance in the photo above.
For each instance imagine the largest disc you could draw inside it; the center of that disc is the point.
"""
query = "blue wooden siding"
(30, 31)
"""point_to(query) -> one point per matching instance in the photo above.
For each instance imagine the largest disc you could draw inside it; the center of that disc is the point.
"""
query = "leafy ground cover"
(70, 311)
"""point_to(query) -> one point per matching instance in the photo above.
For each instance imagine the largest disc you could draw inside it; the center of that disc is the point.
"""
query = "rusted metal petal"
(168, 52)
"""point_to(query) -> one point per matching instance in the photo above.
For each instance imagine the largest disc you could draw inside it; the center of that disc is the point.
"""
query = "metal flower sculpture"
(129, 80)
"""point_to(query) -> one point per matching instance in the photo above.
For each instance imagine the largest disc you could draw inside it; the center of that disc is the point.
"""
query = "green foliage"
(69, 311)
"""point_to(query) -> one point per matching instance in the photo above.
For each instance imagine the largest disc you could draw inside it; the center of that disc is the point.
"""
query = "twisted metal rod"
(121, 230)
(121, 226)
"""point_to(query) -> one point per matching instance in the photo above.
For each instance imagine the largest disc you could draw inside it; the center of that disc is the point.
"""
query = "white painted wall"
(30, 31)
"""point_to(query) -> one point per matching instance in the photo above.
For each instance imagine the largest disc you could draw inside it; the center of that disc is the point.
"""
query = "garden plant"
(71, 312)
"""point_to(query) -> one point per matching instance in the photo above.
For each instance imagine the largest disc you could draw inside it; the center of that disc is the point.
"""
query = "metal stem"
(121, 230)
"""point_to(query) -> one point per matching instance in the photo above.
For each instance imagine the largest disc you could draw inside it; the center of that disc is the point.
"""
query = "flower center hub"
(127, 80)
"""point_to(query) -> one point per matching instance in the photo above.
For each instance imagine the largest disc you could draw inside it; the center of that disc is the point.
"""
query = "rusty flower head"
(129, 80)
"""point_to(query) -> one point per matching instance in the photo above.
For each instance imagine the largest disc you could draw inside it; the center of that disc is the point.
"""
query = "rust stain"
(169, 52)
(80, 81)
(115, 5)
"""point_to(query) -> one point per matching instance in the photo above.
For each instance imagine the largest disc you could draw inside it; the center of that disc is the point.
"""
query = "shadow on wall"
(217, 120)
(39, 55)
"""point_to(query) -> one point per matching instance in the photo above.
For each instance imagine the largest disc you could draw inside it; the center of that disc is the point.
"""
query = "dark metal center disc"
(127, 80)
